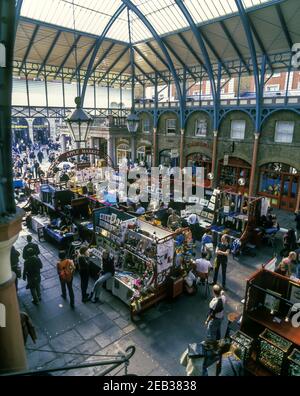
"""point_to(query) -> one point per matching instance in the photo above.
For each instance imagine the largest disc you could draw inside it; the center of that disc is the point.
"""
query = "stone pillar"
(111, 150)
(63, 143)
(253, 166)
(154, 158)
(298, 198)
(91, 145)
(52, 128)
(13, 357)
(133, 148)
(181, 156)
(30, 128)
(214, 159)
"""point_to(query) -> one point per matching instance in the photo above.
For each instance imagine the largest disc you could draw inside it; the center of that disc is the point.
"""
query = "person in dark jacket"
(14, 264)
(40, 156)
(83, 264)
(297, 220)
(30, 245)
(32, 272)
(108, 271)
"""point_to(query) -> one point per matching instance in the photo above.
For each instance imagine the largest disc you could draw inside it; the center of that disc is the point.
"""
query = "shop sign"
(198, 144)
(226, 160)
(2, 55)
(76, 152)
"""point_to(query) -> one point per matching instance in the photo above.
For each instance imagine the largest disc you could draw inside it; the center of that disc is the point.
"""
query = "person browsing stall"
(90, 187)
(203, 266)
(174, 220)
(222, 253)
(108, 271)
(215, 314)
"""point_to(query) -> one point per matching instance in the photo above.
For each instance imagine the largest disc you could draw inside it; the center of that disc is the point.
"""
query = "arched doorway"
(198, 160)
(169, 158)
(144, 155)
(123, 152)
(41, 130)
(20, 130)
(230, 173)
(280, 183)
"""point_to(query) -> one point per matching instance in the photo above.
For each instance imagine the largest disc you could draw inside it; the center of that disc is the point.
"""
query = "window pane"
(284, 131)
(238, 129)
(200, 128)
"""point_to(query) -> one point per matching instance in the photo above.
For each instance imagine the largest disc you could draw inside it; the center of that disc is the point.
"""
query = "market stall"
(143, 256)
(270, 321)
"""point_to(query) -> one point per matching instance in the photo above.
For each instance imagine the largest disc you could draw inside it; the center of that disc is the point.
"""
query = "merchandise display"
(244, 342)
(294, 363)
(272, 350)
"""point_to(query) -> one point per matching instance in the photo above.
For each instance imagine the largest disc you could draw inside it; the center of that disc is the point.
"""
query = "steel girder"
(7, 37)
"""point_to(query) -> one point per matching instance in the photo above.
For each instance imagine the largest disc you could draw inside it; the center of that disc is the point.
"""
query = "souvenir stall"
(270, 325)
(143, 255)
(238, 216)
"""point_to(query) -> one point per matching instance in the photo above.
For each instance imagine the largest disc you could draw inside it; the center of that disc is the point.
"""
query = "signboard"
(226, 160)
(2, 55)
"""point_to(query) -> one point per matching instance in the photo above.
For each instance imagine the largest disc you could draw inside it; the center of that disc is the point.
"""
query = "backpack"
(219, 307)
(66, 269)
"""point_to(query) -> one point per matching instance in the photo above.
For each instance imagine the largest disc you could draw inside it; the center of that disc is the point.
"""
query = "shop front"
(280, 183)
(198, 160)
(144, 155)
(234, 174)
(169, 158)
(123, 153)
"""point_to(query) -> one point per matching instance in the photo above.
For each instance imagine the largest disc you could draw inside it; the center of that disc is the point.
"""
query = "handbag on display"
(196, 350)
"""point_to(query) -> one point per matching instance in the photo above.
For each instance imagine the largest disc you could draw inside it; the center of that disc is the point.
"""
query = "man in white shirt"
(216, 314)
(203, 266)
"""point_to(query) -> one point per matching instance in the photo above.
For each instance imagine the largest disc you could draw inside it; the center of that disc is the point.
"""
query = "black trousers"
(64, 286)
(84, 282)
(224, 268)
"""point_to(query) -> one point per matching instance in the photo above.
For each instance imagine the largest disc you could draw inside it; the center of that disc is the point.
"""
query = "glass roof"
(91, 16)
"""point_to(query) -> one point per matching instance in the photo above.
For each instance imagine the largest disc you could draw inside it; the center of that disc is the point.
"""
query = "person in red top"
(65, 270)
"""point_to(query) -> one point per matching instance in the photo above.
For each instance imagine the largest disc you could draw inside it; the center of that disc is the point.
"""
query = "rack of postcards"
(110, 226)
(244, 343)
(272, 351)
(294, 363)
(206, 207)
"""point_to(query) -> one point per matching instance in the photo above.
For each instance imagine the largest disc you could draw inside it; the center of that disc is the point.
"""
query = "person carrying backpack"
(65, 270)
(216, 314)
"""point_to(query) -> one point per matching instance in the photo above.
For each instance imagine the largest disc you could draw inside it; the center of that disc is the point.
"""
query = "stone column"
(181, 154)
(214, 159)
(111, 142)
(298, 198)
(91, 145)
(63, 143)
(30, 128)
(253, 166)
(154, 158)
(52, 127)
(133, 148)
(13, 357)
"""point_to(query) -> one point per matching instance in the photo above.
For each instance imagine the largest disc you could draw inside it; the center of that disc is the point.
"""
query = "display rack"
(272, 330)
(294, 363)
(273, 350)
(244, 342)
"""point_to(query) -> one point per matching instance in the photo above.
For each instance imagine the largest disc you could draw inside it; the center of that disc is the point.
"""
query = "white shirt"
(213, 304)
(203, 265)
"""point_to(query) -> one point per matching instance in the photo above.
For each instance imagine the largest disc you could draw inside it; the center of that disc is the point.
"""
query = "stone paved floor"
(67, 336)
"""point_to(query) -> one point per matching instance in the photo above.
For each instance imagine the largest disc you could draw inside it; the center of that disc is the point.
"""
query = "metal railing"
(115, 362)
